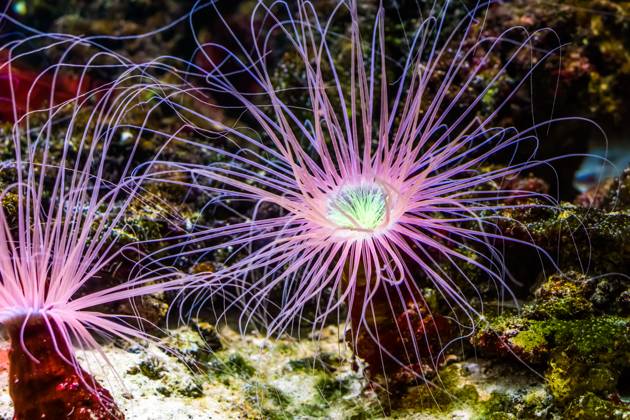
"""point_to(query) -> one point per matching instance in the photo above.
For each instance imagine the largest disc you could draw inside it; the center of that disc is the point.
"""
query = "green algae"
(151, 367)
(533, 404)
(271, 401)
(331, 388)
(580, 236)
(325, 362)
(497, 407)
(232, 364)
(576, 334)
(602, 338)
(581, 355)
(592, 407)
(561, 297)
(195, 347)
(285, 382)
(447, 392)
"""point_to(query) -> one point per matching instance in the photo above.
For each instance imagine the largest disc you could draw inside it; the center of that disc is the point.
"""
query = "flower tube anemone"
(371, 190)
(65, 198)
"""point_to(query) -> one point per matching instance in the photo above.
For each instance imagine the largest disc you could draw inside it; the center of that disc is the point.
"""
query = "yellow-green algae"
(581, 351)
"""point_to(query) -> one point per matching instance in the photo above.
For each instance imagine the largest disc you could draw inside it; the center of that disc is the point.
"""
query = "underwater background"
(560, 349)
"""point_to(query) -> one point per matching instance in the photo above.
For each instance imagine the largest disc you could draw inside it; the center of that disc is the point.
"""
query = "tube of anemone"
(372, 190)
(75, 173)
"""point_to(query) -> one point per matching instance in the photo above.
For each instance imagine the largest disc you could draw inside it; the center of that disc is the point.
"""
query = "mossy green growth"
(530, 341)
(595, 338)
(568, 378)
(271, 401)
(325, 362)
(331, 388)
(575, 331)
(448, 392)
(591, 407)
(164, 390)
(582, 355)
(578, 235)
(604, 339)
(562, 297)
(534, 404)
(498, 406)
(195, 348)
(230, 365)
(191, 389)
(9, 203)
(150, 367)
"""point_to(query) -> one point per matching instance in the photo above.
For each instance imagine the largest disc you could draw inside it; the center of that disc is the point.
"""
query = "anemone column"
(49, 387)
(397, 334)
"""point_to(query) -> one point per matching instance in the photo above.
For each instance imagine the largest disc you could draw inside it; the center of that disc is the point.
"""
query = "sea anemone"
(370, 192)
(376, 198)
(64, 199)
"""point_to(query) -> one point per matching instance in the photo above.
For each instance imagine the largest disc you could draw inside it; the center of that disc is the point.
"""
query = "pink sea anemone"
(364, 193)
(374, 189)
(65, 199)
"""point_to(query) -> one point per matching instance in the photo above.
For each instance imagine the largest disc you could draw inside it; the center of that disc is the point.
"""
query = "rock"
(591, 407)
(570, 334)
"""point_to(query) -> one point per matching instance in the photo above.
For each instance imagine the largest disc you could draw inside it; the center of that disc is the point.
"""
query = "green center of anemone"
(362, 206)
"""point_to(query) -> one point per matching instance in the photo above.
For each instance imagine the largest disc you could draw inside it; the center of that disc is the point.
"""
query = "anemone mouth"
(361, 207)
